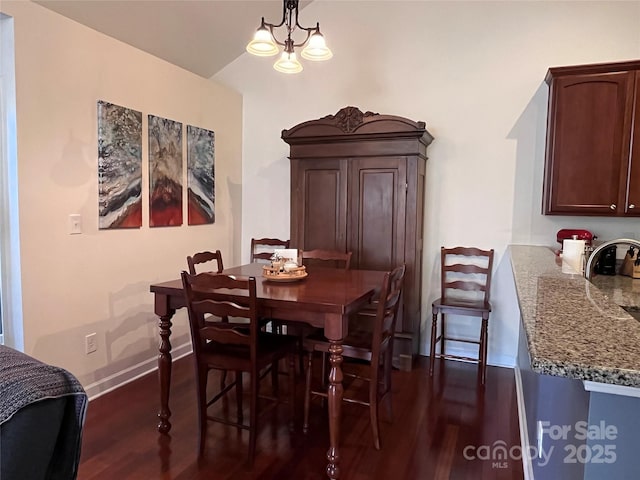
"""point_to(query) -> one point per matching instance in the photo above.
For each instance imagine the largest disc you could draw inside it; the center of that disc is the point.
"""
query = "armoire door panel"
(324, 217)
(377, 212)
(376, 242)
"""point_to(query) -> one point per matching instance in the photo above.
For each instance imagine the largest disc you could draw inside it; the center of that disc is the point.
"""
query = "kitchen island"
(574, 327)
(579, 369)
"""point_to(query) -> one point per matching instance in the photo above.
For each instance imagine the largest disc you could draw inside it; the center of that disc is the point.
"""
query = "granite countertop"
(574, 328)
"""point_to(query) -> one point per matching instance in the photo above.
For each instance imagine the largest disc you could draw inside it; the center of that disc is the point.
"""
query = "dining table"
(325, 298)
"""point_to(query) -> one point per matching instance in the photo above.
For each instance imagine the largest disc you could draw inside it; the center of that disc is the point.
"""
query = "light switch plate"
(75, 224)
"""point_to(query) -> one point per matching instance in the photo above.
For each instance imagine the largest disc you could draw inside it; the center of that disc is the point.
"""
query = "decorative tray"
(274, 274)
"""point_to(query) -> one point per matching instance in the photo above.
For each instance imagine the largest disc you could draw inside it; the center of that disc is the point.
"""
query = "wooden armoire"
(358, 184)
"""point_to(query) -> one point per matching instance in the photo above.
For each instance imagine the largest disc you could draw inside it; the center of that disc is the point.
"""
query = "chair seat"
(369, 310)
(263, 322)
(357, 344)
(270, 348)
(460, 306)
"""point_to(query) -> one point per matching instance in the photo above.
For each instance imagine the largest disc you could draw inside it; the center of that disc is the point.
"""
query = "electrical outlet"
(90, 343)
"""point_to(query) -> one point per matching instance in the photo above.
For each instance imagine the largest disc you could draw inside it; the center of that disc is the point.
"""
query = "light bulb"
(288, 63)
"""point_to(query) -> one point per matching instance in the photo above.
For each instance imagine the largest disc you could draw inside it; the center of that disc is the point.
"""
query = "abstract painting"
(119, 167)
(200, 176)
(165, 172)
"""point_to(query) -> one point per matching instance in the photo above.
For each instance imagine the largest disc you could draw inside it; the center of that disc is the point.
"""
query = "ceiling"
(201, 36)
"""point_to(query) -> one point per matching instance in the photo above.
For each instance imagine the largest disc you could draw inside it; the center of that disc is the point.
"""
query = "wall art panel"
(119, 167)
(165, 172)
(200, 176)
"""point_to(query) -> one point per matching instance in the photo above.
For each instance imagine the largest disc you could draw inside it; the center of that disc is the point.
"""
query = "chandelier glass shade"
(265, 43)
(288, 63)
(262, 44)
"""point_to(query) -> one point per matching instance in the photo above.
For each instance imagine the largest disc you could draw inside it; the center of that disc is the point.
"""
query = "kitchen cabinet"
(358, 184)
(593, 140)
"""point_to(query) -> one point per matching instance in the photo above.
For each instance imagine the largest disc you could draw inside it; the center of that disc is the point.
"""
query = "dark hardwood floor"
(434, 420)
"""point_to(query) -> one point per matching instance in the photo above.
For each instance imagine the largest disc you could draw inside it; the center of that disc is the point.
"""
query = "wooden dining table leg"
(334, 395)
(163, 310)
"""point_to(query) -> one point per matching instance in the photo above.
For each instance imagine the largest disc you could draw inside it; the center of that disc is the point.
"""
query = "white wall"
(99, 281)
(474, 72)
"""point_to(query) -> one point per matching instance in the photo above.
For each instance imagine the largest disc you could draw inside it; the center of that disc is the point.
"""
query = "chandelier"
(264, 43)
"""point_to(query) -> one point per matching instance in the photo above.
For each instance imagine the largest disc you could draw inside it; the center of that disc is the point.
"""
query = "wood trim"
(593, 68)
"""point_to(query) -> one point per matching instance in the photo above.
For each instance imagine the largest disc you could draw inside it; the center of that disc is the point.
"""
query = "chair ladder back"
(221, 332)
(268, 244)
(339, 259)
(200, 295)
(229, 336)
(202, 304)
(204, 257)
(467, 274)
(387, 311)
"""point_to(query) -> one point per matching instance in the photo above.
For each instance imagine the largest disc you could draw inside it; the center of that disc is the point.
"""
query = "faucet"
(588, 271)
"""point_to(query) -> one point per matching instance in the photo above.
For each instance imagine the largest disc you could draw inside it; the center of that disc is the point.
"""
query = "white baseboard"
(527, 466)
(132, 373)
(501, 361)
(496, 360)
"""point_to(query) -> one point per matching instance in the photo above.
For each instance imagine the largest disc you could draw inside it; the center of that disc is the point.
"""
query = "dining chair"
(465, 286)
(325, 258)
(205, 257)
(227, 346)
(373, 346)
(263, 248)
(329, 258)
